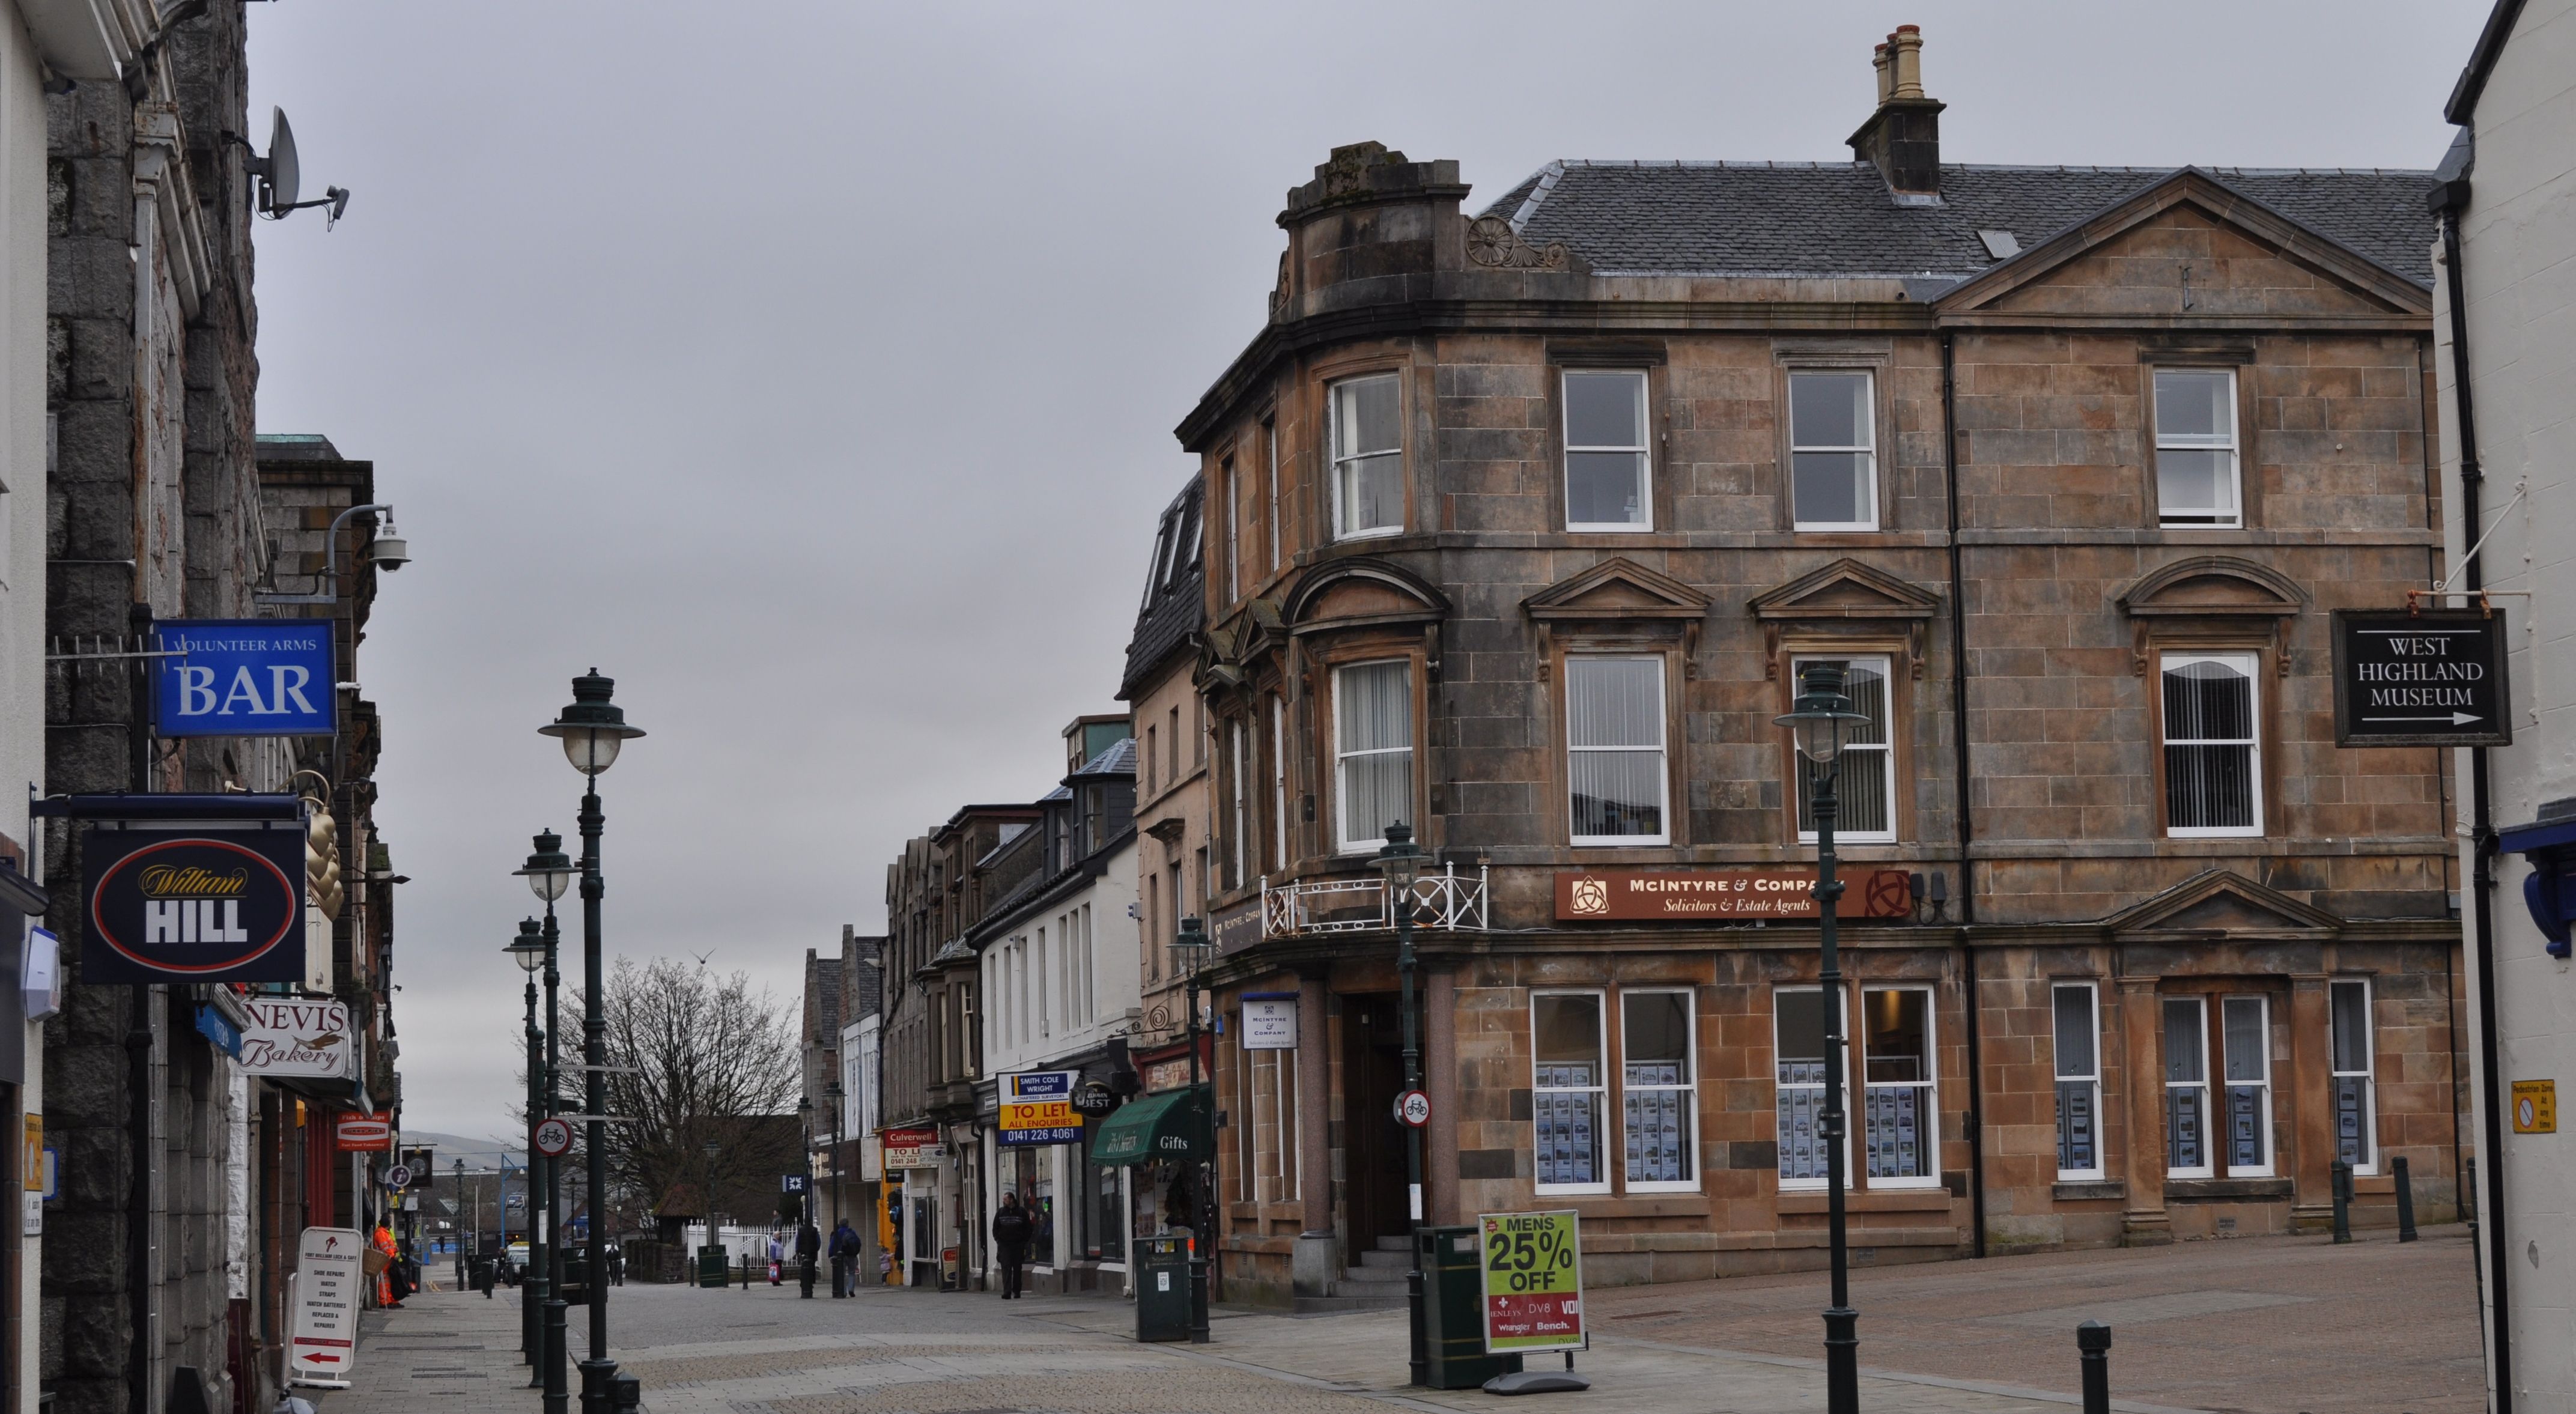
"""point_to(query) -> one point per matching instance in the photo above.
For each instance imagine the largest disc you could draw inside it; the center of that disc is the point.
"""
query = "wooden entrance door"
(1373, 1187)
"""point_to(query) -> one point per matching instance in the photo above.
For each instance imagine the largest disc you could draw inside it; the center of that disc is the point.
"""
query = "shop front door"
(1372, 1076)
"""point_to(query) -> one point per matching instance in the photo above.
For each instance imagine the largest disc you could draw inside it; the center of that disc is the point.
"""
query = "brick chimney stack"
(1903, 138)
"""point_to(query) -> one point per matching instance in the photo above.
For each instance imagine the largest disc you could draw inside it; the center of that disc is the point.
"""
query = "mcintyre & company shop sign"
(1784, 892)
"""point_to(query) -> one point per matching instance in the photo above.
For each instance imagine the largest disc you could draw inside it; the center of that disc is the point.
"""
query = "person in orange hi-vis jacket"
(384, 1242)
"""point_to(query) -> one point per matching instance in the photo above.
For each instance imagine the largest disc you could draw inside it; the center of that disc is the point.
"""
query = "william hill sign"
(192, 906)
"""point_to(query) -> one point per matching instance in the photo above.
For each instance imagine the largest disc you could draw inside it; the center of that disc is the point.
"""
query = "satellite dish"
(282, 176)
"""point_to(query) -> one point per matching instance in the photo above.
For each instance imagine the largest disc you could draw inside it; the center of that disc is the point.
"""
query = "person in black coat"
(844, 1252)
(809, 1245)
(1011, 1232)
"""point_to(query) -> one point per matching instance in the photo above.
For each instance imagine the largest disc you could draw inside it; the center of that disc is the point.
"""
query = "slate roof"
(1173, 610)
(1838, 219)
(1118, 760)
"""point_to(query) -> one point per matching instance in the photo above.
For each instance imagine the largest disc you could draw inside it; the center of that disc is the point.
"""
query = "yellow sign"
(1533, 1283)
(2535, 1107)
(33, 1164)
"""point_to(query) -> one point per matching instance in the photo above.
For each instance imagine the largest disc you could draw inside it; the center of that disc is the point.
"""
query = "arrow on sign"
(2455, 719)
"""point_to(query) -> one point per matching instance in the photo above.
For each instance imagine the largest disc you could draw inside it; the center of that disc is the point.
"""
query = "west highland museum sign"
(2428, 677)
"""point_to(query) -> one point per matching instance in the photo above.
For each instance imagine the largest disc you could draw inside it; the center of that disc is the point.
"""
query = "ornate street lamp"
(1400, 860)
(834, 1095)
(592, 730)
(529, 951)
(549, 872)
(1192, 950)
(1819, 719)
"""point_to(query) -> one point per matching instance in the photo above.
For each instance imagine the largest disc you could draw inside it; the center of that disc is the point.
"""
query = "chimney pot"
(1906, 46)
(1886, 77)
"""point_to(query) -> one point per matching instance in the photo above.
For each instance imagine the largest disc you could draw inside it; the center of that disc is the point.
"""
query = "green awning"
(1165, 1126)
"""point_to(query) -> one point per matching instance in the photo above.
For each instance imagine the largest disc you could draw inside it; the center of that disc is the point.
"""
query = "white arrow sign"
(2455, 719)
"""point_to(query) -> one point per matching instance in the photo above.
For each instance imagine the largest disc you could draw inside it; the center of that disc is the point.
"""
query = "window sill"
(2076, 1190)
(1621, 841)
(1870, 1200)
(1644, 1205)
(1384, 532)
(1610, 528)
(2190, 1188)
(1833, 529)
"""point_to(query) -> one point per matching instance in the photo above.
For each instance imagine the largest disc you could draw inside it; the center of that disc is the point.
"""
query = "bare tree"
(703, 1079)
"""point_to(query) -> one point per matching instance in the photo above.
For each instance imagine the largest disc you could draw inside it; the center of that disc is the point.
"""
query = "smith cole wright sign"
(2433, 677)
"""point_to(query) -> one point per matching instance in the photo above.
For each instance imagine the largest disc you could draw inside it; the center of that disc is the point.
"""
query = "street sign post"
(1413, 1108)
(2421, 677)
(1533, 1282)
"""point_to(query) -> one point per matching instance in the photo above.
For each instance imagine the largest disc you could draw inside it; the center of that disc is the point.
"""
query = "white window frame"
(2368, 1075)
(2271, 1163)
(1270, 460)
(1886, 751)
(1342, 528)
(2211, 1130)
(1241, 790)
(2092, 1082)
(1928, 1115)
(1687, 1090)
(1278, 783)
(1346, 843)
(1842, 1014)
(2250, 666)
(1641, 449)
(1661, 750)
(2229, 442)
(1233, 529)
(1869, 451)
(1609, 1153)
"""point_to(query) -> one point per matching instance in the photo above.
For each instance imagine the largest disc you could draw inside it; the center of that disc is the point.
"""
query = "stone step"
(1328, 1305)
(1370, 1281)
(1385, 1260)
(1397, 1243)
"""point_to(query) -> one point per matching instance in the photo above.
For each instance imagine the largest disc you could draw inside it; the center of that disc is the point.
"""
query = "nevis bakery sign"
(1671, 895)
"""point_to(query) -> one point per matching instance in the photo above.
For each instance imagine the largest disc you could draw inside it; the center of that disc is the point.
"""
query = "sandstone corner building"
(1520, 524)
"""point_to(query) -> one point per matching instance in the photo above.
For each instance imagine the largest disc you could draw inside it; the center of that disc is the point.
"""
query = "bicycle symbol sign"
(554, 1138)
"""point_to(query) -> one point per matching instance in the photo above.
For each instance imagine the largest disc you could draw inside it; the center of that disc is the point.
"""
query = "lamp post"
(1819, 717)
(549, 873)
(1401, 861)
(529, 951)
(1191, 948)
(833, 1094)
(592, 730)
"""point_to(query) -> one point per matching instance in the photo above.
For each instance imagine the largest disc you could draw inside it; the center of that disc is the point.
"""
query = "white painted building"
(1060, 988)
(2507, 282)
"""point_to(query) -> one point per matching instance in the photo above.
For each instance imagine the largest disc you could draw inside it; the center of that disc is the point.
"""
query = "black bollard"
(2405, 1201)
(2093, 1344)
(2342, 1201)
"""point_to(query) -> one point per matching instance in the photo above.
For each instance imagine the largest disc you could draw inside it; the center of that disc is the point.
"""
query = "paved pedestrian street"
(2273, 1326)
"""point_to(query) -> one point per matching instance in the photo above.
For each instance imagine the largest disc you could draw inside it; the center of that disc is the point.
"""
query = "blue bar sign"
(247, 677)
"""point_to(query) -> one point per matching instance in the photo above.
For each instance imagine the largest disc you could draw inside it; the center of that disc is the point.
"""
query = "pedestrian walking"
(809, 1248)
(777, 1257)
(845, 1259)
(1011, 1232)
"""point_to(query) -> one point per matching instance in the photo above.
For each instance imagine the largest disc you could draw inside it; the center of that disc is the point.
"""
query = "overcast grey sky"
(811, 368)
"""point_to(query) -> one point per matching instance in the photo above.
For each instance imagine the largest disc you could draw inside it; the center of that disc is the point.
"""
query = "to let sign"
(247, 677)
(2434, 677)
(1669, 895)
(1037, 1108)
(911, 1148)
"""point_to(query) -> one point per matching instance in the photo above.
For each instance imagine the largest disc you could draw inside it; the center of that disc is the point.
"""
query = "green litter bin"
(711, 1265)
(1453, 1312)
(1162, 1267)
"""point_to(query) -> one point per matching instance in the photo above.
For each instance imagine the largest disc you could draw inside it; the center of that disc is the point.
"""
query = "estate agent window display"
(1639, 1135)
(1897, 1094)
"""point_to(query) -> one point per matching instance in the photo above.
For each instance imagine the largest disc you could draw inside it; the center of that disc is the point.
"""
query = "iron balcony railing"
(1448, 900)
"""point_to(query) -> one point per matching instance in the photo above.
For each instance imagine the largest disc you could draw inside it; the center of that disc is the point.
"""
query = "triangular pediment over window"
(1617, 588)
(2221, 903)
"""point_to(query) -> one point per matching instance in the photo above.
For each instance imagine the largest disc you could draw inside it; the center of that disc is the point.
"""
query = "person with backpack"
(845, 1259)
(1011, 1232)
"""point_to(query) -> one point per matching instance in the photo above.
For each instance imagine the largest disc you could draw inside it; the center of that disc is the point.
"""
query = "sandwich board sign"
(323, 1344)
(1533, 1282)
